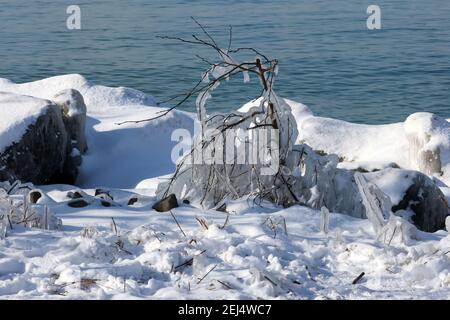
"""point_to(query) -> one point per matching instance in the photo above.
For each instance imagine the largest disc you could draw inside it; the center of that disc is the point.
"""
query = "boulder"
(132, 200)
(34, 196)
(74, 111)
(407, 193)
(36, 138)
(166, 204)
(77, 194)
(429, 141)
(415, 193)
(104, 194)
(40, 146)
(426, 200)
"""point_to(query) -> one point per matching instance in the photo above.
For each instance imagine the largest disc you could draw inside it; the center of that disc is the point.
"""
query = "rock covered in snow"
(74, 111)
(415, 193)
(429, 205)
(35, 141)
(96, 97)
(429, 143)
(384, 145)
(38, 150)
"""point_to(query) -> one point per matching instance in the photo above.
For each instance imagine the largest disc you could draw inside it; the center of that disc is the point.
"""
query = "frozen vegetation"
(349, 179)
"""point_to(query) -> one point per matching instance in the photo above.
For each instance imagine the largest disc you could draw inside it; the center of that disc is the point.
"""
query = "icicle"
(3, 226)
(377, 204)
(324, 220)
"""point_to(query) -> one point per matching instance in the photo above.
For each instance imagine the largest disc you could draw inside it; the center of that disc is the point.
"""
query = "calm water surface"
(329, 59)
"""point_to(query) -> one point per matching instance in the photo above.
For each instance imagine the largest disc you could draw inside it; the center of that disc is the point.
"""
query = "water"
(329, 59)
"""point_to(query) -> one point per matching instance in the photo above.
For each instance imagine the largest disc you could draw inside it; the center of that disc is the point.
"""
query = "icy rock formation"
(377, 204)
(305, 177)
(36, 143)
(426, 201)
(421, 143)
(429, 142)
(414, 196)
(74, 110)
(381, 195)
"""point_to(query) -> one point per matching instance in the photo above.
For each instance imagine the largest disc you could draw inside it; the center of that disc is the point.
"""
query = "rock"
(429, 137)
(132, 200)
(34, 196)
(166, 204)
(74, 111)
(78, 203)
(428, 203)
(39, 155)
(222, 208)
(103, 194)
(407, 190)
(36, 138)
(106, 203)
(78, 194)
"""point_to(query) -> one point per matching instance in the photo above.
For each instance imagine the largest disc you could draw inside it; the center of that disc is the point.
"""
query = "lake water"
(329, 60)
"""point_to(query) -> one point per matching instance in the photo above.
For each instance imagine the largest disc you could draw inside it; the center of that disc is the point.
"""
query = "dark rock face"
(40, 156)
(34, 196)
(74, 111)
(45, 154)
(166, 204)
(132, 200)
(428, 203)
(78, 203)
(76, 194)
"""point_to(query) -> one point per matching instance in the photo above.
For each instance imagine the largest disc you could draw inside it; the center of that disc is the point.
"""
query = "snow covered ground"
(257, 251)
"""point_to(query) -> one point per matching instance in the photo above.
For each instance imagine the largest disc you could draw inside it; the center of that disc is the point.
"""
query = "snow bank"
(96, 97)
(17, 113)
(260, 253)
(119, 155)
(379, 145)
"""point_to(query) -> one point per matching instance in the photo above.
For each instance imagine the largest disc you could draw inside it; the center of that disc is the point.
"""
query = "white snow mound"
(18, 112)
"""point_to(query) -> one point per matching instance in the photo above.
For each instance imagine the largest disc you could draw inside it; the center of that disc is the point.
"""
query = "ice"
(378, 205)
(429, 140)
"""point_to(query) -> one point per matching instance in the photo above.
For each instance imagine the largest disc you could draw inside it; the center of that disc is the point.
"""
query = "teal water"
(329, 60)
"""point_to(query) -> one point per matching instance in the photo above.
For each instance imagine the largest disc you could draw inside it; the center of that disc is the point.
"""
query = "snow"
(133, 152)
(376, 147)
(95, 96)
(249, 260)
(17, 114)
(392, 182)
(134, 252)
(357, 143)
(429, 133)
